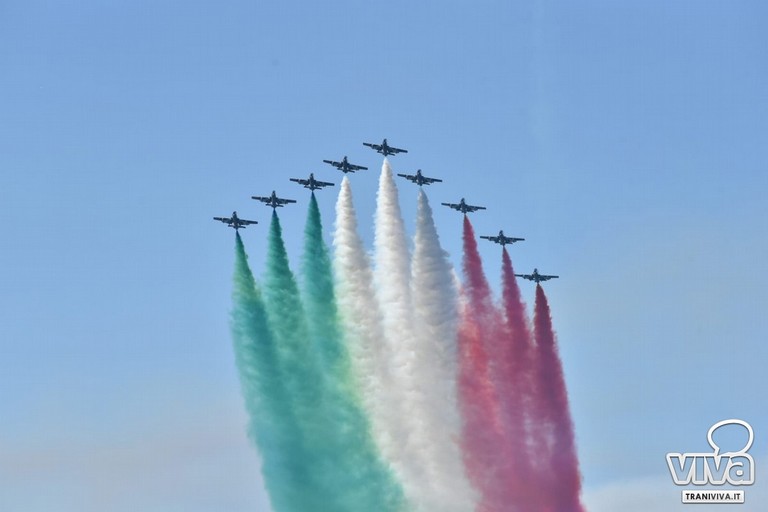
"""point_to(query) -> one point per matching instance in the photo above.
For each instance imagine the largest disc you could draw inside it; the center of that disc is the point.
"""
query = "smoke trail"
(435, 315)
(301, 375)
(362, 480)
(565, 480)
(361, 321)
(392, 277)
(272, 425)
(511, 366)
(485, 456)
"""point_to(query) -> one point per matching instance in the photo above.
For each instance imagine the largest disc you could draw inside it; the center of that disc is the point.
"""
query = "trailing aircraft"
(384, 148)
(311, 183)
(463, 207)
(419, 178)
(536, 276)
(344, 166)
(502, 239)
(273, 200)
(235, 222)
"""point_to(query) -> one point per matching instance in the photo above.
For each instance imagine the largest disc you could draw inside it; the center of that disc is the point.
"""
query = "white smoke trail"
(436, 313)
(361, 319)
(392, 276)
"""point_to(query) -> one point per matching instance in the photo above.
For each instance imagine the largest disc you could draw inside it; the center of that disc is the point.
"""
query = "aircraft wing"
(407, 176)
(397, 150)
(432, 180)
(333, 163)
(300, 181)
(356, 167)
(248, 222)
(323, 183)
(547, 278)
(222, 219)
(525, 276)
(285, 201)
(262, 198)
(491, 238)
(452, 205)
(374, 146)
(475, 208)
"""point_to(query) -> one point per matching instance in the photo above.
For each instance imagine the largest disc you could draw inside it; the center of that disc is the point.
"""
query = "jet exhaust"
(396, 387)
(355, 470)
(298, 367)
(436, 308)
(484, 448)
(561, 477)
(511, 369)
(272, 425)
(364, 337)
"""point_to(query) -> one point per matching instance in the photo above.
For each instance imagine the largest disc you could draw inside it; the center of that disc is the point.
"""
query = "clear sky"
(626, 141)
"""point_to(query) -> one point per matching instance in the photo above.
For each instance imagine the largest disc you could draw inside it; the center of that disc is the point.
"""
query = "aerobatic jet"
(502, 239)
(273, 200)
(235, 222)
(536, 276)
(463, 207)
(419, 178)
(384, 148)
(311, 183)
(344, 166)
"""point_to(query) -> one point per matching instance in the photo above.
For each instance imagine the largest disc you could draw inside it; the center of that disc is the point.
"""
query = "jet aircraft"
(273, 200)
(344, 166)
(463, 207)
(502, 239)
(384, 148)
(311, 183)
(235, 222)
(536, 276)
(419, 178)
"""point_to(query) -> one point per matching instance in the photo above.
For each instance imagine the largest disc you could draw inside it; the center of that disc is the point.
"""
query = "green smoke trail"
(272, 425)
(320, 297)
(360, 478)
(299, 370)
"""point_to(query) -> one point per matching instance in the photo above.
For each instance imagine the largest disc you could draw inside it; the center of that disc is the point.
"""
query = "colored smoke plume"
(485, 455)
(564, 480)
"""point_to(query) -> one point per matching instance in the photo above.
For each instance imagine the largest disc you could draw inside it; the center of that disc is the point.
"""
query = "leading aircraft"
(463, 207)
(344, 166)
(384, 148)
(536, 276)
(311, 183)
(419, 178)
(273, 200)
(502, 239)
(235, 222)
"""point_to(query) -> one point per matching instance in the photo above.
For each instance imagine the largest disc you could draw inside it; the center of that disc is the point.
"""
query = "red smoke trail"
(563, 477)
(512, 360)
(483, 449)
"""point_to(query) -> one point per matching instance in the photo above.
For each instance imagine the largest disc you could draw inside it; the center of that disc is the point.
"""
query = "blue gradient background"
(624, 141)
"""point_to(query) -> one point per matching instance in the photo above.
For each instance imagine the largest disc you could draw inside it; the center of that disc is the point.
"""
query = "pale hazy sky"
(624, 140)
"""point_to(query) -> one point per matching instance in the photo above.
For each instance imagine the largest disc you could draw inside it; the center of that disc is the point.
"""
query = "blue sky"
(624, 141)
